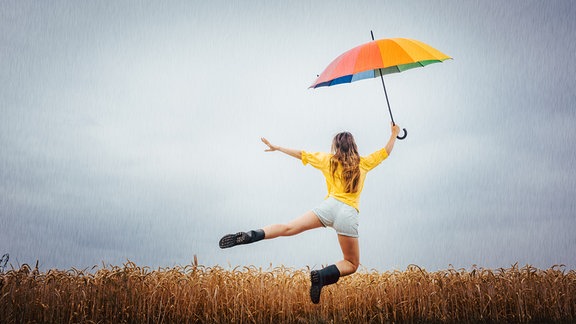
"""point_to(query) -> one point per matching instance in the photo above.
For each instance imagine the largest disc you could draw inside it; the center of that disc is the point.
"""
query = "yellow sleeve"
(371, 161)
(319, 160)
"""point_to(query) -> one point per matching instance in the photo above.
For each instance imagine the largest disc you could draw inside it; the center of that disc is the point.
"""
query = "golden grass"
(198, 294)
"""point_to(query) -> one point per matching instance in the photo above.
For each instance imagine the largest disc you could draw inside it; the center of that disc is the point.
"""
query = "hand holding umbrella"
(377, 58)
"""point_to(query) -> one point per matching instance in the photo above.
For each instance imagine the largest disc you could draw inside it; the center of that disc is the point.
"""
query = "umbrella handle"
(403, 136)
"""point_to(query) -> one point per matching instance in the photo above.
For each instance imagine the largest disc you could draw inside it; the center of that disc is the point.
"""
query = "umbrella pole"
(390, 110)
(386, 95)
(387, 101)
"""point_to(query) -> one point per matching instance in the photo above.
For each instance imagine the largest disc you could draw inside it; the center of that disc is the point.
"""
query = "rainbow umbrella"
(377, 58)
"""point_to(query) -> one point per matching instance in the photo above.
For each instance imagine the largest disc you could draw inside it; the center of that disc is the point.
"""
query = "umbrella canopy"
(378, 58)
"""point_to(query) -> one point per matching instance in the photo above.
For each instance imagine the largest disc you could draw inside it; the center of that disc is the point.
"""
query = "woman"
(345, 171)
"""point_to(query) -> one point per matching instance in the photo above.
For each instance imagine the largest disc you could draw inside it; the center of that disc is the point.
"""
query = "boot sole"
(231, 240)
(316, 287)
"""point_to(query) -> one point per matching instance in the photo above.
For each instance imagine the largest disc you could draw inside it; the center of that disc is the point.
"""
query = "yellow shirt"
(336, 189)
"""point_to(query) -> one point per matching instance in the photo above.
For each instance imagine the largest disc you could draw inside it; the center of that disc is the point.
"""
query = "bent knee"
(354, 264)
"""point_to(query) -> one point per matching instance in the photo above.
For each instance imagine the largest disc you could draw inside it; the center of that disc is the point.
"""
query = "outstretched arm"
(292, 152)
(390, 145)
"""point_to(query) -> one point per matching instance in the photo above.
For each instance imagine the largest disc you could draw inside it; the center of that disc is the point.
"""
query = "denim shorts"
(338, 215)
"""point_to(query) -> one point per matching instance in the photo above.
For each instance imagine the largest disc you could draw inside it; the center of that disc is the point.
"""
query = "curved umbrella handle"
(403, 136)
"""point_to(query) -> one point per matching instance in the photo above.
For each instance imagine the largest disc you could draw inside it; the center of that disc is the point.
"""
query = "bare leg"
(303, 223)
(330, 274)
(307, 221)
(351, 251)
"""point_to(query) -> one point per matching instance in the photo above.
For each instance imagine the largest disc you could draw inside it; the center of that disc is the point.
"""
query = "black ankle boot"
(321, 278)
(231, 240)
(256, 235)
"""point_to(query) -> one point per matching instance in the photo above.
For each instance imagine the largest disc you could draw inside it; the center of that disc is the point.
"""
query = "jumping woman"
(345, 171)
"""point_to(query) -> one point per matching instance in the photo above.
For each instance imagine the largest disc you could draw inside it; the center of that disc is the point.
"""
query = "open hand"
(271, 148)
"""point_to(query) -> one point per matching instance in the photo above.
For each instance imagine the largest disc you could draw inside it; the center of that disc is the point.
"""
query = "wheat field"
(199, 294)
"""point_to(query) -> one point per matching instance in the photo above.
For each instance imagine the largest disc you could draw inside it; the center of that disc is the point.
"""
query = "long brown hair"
(346, 155)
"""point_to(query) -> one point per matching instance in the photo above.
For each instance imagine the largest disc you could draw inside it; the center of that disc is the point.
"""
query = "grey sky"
(130, 130)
